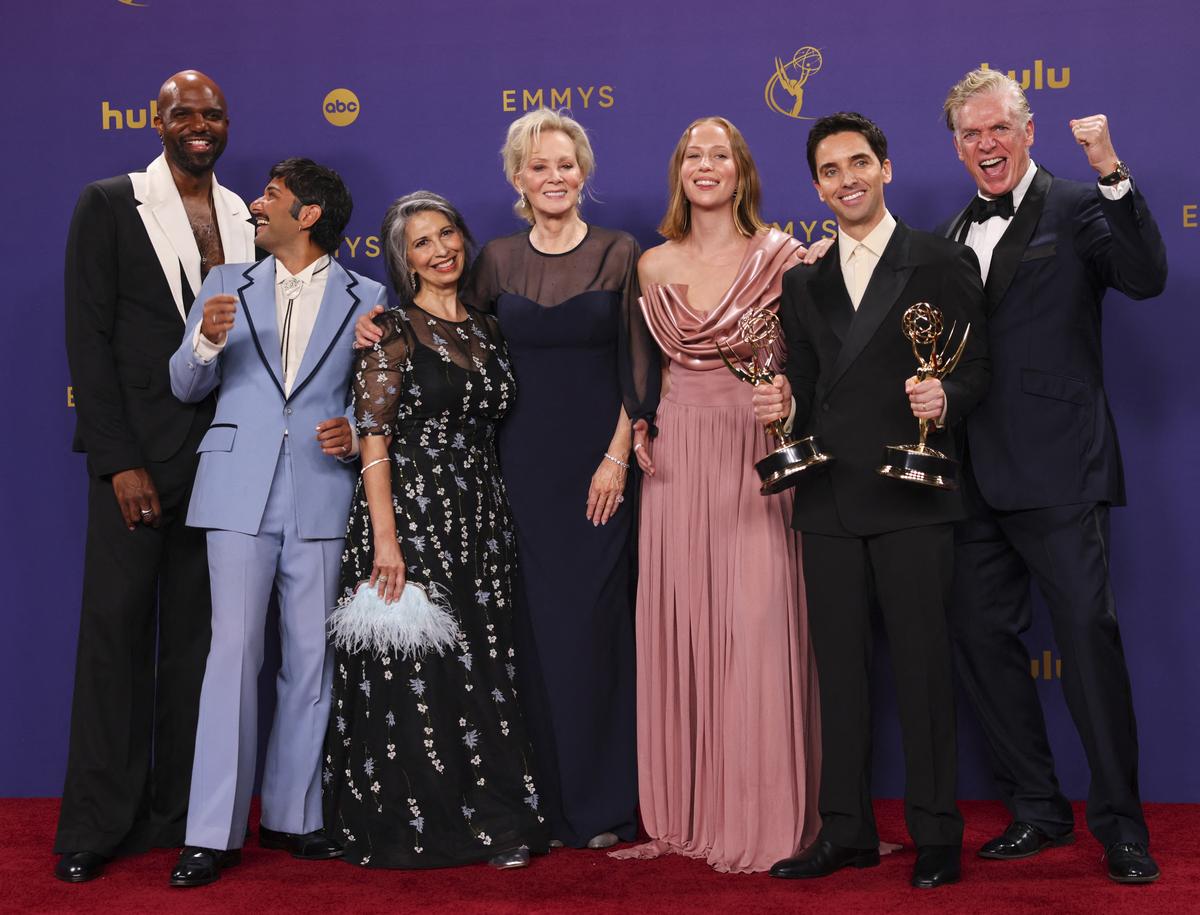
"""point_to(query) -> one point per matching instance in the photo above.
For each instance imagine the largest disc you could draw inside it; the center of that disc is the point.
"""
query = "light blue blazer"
(239, 452)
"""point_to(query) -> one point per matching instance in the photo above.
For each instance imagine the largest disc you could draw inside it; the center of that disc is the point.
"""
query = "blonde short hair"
(982, 82)
(523, 135)
(677, 221)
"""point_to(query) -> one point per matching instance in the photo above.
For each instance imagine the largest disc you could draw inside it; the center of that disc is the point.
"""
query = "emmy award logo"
(787, 83)
(779, 470)
(922, 325)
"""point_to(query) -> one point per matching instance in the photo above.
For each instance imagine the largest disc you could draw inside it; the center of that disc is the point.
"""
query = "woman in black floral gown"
(427, 763)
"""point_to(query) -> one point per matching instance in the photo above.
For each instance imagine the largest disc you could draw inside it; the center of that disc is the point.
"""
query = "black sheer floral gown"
(427, 762)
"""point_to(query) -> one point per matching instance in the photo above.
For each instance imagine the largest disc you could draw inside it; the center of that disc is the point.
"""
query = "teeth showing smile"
(992, 163)
(445, 266)
(852, 196)
(706, 183)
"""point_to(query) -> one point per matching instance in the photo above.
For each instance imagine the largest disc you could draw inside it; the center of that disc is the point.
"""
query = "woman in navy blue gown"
(565, 294)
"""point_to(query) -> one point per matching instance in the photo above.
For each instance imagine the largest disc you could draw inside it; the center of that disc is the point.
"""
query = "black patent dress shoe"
(309, 846)
(1129, 862)
(937, 865)
(80, 866)
(823, 858)
(200, 866)
(1022, 840)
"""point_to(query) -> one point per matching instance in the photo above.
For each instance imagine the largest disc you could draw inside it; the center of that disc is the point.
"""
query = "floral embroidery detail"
(439, 392)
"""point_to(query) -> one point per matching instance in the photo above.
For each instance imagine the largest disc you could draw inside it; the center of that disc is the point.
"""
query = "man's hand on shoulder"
(218, 317)
(1092, 134)
(366, 332)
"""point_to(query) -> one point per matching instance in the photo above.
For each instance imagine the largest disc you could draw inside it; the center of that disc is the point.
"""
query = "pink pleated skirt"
(728, 714)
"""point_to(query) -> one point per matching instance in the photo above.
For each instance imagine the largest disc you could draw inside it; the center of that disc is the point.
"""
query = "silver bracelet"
(372, 464)
(616, 461)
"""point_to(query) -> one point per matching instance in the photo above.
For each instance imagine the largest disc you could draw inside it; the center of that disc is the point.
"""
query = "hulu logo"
(1039, 76)
(132, 118)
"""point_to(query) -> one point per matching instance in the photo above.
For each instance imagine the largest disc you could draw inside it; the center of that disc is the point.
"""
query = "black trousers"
(1065, 550)
(908, 574)
(143, 641)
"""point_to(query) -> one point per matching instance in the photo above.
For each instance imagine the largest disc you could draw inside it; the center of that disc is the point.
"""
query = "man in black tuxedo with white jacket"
(139, 246)
(1044, 466)
(868, 539)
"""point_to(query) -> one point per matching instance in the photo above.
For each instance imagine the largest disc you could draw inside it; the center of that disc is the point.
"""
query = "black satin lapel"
(828, 289)
(1007, 255)
(958, 225)
(890, 276)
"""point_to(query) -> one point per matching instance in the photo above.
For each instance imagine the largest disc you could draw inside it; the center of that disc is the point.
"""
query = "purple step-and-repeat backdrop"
(399, 96)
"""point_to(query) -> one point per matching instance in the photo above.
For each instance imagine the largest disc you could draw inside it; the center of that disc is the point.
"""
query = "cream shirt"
(859, 259)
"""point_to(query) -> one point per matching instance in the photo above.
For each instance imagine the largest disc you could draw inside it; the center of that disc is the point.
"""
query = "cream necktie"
(855, 284)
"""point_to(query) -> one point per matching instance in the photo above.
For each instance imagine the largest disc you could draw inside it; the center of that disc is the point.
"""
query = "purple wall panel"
(436, 87)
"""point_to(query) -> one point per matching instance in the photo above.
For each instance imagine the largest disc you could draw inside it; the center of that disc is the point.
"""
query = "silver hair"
(395, 246)
(979, 82)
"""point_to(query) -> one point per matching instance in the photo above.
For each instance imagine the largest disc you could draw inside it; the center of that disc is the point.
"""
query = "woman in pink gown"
(728, 720)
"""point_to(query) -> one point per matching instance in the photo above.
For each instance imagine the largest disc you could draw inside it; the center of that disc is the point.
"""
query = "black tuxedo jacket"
(847, 370)
(123, 323)
(1044, 434)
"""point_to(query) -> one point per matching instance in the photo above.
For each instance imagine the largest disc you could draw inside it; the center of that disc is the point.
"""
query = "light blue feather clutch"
(418, 622)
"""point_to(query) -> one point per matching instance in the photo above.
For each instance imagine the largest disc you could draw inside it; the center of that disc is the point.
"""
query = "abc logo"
(341, 107)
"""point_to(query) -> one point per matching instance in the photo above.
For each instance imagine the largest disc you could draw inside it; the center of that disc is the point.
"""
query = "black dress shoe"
(311, 846)
(1129, 862)
(823, 858)
(937, 865)
(200, 866)
(1021, 840)
(80, 866)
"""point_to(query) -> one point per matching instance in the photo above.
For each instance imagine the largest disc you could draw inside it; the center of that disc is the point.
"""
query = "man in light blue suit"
(274, 339)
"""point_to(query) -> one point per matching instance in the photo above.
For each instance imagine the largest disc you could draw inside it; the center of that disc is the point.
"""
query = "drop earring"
(412, 280)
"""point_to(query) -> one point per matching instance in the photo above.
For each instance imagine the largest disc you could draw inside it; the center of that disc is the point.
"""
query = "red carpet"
(1057, 882)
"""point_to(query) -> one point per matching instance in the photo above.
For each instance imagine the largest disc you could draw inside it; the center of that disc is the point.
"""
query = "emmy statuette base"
(781, 469)
(913, 464)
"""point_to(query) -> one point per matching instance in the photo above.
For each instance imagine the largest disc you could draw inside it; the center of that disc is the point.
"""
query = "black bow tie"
(982, 209)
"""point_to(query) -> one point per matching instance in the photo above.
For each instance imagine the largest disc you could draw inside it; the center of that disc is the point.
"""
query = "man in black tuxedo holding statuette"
(870, 539)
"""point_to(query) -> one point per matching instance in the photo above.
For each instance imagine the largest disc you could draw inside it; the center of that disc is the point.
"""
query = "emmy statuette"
(780, 469)
(922, 325)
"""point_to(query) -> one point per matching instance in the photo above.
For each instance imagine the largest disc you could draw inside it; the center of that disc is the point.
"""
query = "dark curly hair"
(315, 184)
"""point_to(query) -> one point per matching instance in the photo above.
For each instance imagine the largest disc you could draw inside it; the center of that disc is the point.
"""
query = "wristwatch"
(1121, 174)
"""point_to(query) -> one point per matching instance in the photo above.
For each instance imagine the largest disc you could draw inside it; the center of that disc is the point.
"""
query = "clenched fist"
(218, 318)
(1092, 134)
